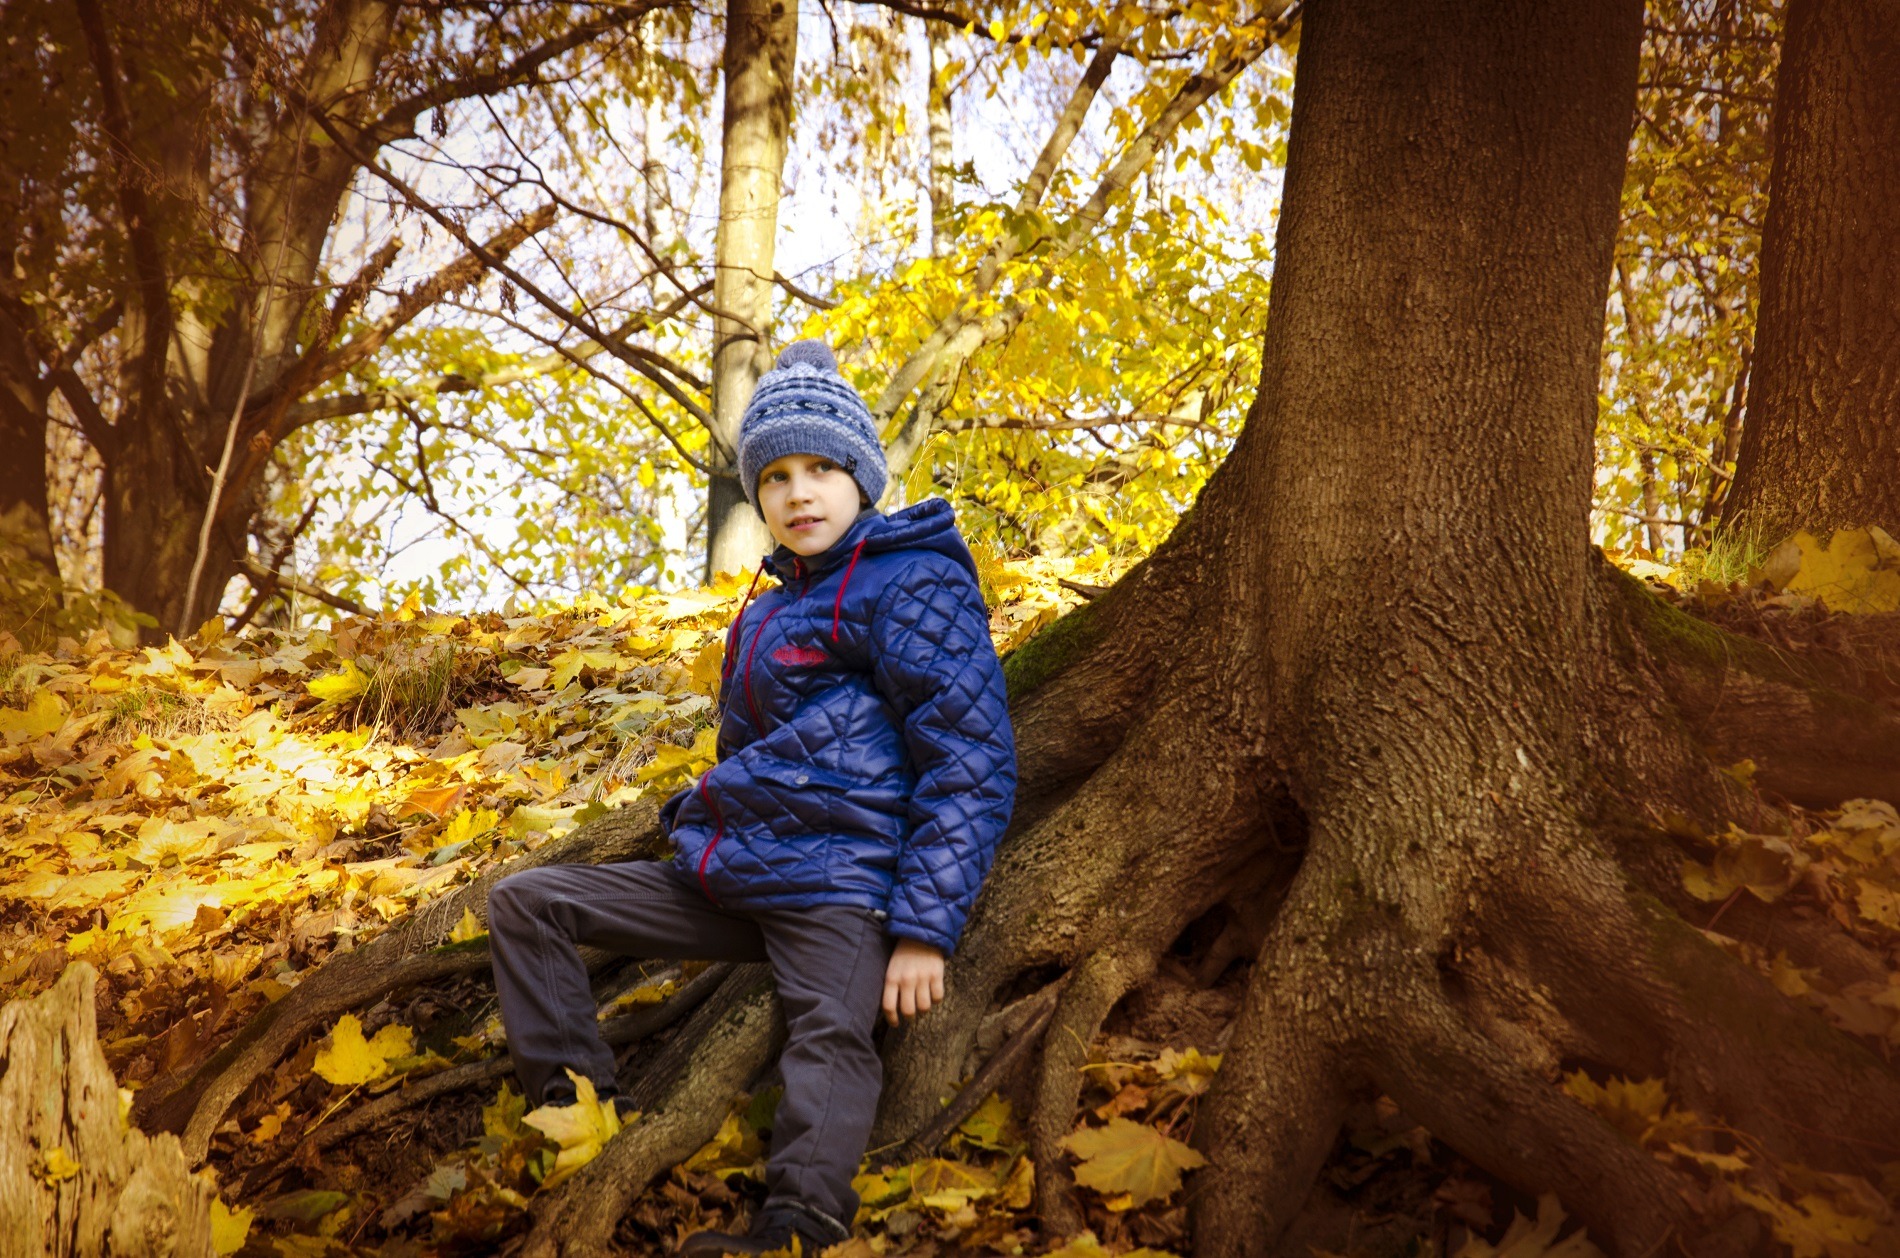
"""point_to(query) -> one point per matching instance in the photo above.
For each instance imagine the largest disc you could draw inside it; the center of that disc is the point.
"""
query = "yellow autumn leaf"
(1132, 1158)
(503, 1118)
(1525, 1239)
(707, 664)
(351, 1059)
(1858, 570)
(44, 714)
(345, 684)
(672, 762)
(468, 928)
(230, 1229)
(581, 1129)
(733, 1147)
(57, 1166)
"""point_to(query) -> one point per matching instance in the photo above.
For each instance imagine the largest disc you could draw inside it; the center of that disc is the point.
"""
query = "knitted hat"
(803, 406)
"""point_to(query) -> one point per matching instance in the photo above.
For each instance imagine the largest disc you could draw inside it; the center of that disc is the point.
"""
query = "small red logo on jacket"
(794, 655)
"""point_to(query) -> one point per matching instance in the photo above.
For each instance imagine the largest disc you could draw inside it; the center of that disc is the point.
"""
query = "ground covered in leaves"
(208, 821)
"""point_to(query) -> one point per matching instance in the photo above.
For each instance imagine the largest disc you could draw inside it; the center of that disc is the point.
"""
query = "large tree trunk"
(29, 570)
(1821, 445)
(760, 56)
(1378, 698)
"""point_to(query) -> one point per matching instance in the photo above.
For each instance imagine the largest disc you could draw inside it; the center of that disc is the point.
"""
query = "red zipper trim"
(732, 632)
(838, 603)
(758, 724)
(719, 832)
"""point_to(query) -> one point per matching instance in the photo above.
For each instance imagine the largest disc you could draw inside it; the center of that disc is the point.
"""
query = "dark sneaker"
(773, 1228)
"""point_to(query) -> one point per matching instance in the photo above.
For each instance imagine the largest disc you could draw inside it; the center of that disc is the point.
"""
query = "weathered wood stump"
(75, 1178)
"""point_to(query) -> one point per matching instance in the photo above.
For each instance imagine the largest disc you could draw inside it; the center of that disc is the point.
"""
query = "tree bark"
(939, 131)
(1821, 442)
(118, 1191)
(760, 59)
(1378, 697)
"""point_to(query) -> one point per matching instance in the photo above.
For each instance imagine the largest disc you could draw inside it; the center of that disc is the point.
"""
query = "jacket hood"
(927, 525)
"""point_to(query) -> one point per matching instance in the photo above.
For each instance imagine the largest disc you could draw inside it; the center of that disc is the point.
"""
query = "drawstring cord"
(733, 631)
(838, 604)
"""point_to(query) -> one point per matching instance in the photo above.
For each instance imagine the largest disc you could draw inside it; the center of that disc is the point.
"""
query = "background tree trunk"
(939, 131)
(760, 58)
(1821, 444)
(29, 570)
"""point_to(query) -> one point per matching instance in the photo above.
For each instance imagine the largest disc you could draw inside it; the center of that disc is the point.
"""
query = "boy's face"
(808, 501)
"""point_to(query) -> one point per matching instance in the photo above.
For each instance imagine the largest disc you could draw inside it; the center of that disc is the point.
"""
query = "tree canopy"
(1430, 468)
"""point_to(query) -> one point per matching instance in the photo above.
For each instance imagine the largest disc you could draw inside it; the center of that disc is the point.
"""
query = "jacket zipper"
(719, 832)
(752, 705)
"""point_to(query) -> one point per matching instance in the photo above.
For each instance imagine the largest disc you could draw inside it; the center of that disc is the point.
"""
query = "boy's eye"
(824, 465)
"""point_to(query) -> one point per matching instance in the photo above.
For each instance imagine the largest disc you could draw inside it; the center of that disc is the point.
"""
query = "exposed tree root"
(726, 1042)
(410, 953)
(616, 1032)
(1037, 1010)
(1093, 989)
(1142, 848)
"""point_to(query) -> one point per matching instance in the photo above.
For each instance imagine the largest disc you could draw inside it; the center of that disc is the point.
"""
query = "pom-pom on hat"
(803, 406)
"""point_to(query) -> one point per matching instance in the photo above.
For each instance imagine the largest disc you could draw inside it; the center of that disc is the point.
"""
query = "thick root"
(616, 1032)
(1097, 984)
(685, 1094)
(1274, 1111)
(409, 954)
(1142, 848)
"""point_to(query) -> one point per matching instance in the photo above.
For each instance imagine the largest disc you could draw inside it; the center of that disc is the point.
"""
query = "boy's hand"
(913, 981)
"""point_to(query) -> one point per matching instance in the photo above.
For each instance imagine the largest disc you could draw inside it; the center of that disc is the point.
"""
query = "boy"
(866, 770)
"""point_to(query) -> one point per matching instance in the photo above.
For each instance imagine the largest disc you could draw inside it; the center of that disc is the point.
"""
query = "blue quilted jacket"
(865, 751)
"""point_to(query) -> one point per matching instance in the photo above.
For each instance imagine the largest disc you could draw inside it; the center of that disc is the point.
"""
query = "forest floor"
(207, 822)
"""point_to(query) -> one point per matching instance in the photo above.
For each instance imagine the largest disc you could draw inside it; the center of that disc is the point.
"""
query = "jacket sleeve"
(933, 661)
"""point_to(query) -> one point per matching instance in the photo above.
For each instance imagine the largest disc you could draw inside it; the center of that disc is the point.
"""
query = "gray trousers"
(828, 963)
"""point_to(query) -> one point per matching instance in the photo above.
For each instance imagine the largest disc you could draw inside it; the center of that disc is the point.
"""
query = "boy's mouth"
(802, 522)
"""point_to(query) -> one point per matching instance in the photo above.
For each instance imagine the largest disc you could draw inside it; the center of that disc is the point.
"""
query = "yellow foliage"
(1130, 1159)
(347, 683)
(44, 714)
(230, 1229)
(1857, 570)
(581, 1129)
(57, 1166)
(1527, 1239)
(350, 1059)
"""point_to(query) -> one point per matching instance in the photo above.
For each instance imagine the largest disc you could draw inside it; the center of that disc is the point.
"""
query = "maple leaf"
(581, 1129)
(1857, 571)
(502, 1119)
(1639, 1109)
(944, 1184)
(1129, 1158)
(467, 929)
(351, 1060)
(348, 682)
(230, 1229)
(1527, 1239)
(44, 714)
(734, 1147)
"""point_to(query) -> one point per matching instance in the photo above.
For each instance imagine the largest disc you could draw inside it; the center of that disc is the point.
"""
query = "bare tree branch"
(262, 577)
(457, 275)
(399, 121)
